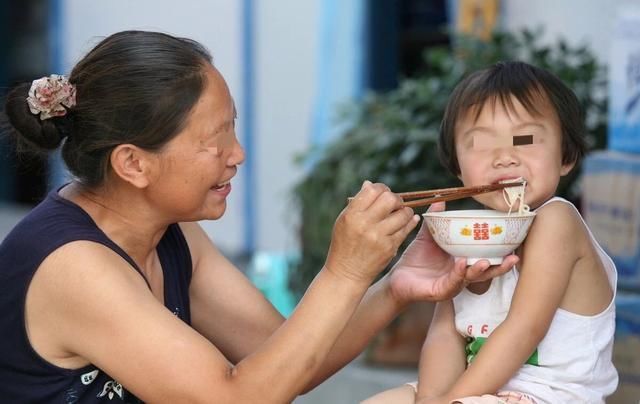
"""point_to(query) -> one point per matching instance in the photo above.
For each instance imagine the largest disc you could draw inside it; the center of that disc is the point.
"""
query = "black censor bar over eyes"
(522, 140)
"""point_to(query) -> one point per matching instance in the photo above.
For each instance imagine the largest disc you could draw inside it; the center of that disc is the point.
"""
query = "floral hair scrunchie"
(49, 96)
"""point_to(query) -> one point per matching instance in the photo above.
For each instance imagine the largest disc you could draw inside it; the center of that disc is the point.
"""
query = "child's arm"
(442, 360)
(548, 257)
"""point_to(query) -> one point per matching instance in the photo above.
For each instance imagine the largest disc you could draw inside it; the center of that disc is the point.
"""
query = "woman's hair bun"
(31, 133)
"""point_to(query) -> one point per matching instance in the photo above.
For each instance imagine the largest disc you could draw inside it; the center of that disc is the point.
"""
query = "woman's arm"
(424, 272)
(442, 360)
(101, 310)
(226, 307)
(549, 255)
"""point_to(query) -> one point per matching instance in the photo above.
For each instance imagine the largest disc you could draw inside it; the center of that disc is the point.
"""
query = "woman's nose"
(237, 154)
(505, 157)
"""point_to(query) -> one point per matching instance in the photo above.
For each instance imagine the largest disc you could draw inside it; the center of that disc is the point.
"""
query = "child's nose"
(505, 157)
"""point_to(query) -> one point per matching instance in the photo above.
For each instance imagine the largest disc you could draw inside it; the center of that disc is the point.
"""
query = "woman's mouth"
(221, 186)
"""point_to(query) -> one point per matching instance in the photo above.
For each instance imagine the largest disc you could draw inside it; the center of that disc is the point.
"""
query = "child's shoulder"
(558, 211)
(558, 225)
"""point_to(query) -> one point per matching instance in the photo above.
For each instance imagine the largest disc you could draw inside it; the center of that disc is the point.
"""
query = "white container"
(478, 234)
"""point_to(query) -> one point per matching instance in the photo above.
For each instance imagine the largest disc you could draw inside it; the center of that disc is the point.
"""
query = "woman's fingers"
(368, 194)
(448, 284)
(482, 271)
(437, 207)
(406, 226)
(397, 220)
(369, 231)
(452, 282)
(423, 232)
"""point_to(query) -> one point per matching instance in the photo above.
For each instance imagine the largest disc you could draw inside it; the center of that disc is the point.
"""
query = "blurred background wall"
(289, 65)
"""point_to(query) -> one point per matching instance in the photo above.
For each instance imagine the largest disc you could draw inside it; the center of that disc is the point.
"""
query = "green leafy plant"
(391, 137)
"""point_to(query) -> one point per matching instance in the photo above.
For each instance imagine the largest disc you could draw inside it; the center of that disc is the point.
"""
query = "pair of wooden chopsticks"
(422, 198)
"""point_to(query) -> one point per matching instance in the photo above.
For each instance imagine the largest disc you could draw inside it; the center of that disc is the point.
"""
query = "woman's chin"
(216, 212)
(207, 213)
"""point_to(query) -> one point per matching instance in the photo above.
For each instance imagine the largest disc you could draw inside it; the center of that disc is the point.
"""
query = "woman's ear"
(132, 164)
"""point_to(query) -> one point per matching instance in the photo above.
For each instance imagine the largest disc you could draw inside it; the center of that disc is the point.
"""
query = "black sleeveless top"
(25, 377)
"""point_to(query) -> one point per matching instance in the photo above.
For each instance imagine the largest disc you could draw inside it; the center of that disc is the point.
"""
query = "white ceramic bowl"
(478, 234)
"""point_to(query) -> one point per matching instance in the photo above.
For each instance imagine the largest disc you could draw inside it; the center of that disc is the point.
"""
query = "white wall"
(284, 64)
(286, 60)
(578, 21)
(286, 56)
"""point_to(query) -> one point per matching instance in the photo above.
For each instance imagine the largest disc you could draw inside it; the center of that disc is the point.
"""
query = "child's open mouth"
(510, 179)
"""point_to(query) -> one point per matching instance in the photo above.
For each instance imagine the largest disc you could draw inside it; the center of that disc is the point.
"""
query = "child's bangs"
(503, 89)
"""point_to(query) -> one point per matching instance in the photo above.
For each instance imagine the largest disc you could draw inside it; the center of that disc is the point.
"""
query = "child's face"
(505, 144)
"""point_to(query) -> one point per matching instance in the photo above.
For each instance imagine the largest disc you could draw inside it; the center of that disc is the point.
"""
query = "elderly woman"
(111, 290)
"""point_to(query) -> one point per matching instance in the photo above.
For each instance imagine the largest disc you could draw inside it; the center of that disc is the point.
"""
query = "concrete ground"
(356, 382)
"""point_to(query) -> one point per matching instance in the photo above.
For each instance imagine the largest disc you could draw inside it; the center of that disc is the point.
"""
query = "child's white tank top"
(572, 364)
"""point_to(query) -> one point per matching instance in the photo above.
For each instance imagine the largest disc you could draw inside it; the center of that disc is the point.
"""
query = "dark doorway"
(399, 31)
(24, 56)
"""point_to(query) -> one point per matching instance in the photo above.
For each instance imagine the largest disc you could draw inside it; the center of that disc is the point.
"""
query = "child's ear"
(132, 164)
(566, 168)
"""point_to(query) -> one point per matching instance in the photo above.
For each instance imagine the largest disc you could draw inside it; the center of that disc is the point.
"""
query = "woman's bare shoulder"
(70, 286)
(92, 305)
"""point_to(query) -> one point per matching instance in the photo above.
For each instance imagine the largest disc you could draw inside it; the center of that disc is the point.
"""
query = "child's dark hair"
(133, 87)
(527, 84)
